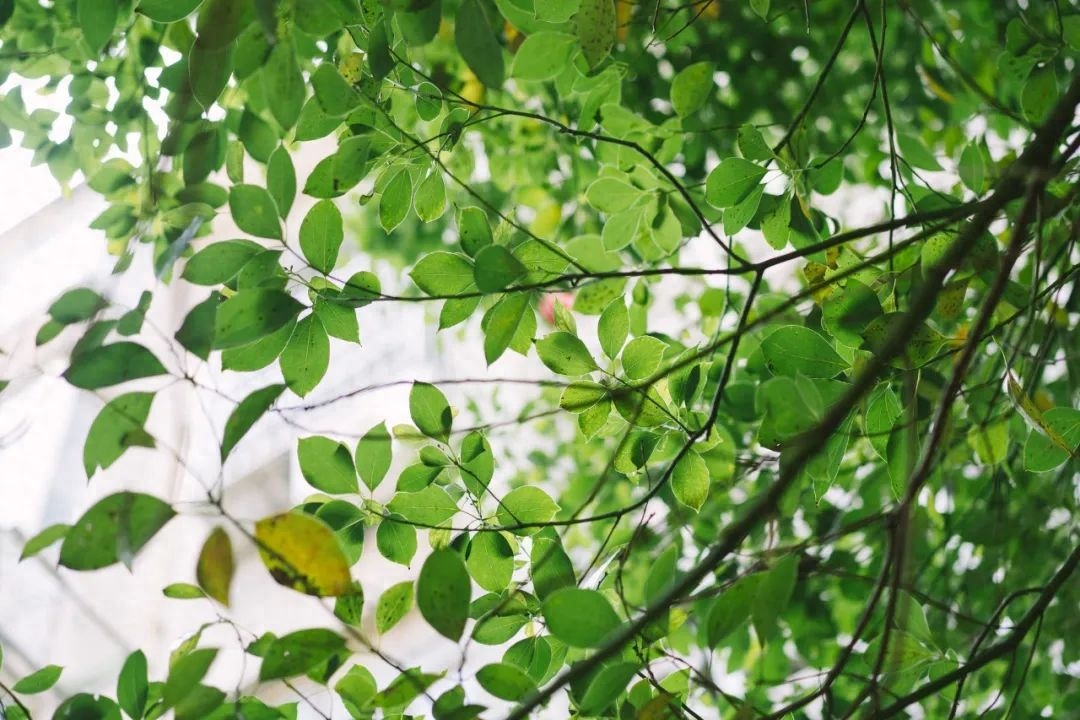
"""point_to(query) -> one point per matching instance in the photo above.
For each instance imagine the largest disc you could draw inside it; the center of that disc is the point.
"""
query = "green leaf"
(430, 506)
(114, 530)
(113, 364)
(882, 410)
(338, 319)
(501, 324)
(990, 442)
(729, 611)
(526, 505)
(641, 357)
(793, 349)
(209, 70)
(613, 327)
(321, 235)
(374, 453)
(298, 652)
(347, 522)
(1041, 452)
(662, 574)
(922, 345)
(116, 428)
(362, 289)
(258, 137)
(429, 101)
(349, 608)
(335, 96)
(199, 702)
(419, 23)
(167, 11)
(752, 144)
(972, 168)
(607, 685)
(475, 39)
(474, 232)
(760, 8)
(132, 685)
(97, 19)
(327, 465)
(580, 396)
(442, 593)
(550, 566)
(505, 681)
(773, 595)
(38, 681)
(251, 315)
(396, 540)
(610, 195)
(183, 591)
(690, 480)
(357, 690)
(490, 561)
(185, 674)
(846, 313)
(219, 262)
(430, 411)
(81, 707)
(1039, 94)
(246, 414)
(739, 215)
(565, 354)
(306, 356)
(196, 334)
(691, 88)
(443, 273)
(281, 180)
(596, 26)
(50, 535)
(543, 56)
(254, 211)
(221, 21)
(430, 199)
(915, 152)
(580, 618)
(396, 201)
(496, 268)
(284, 84)
(732, 181)
(76, 306)
(259, 354)
(776, 225)
(302, 552)
(393, 605)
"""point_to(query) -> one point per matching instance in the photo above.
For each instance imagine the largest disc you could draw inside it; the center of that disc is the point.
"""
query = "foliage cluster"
(828, 464)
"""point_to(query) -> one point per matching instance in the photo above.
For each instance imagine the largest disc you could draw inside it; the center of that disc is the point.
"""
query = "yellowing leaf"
(1031, 413)
(214, 570)
(301, 552)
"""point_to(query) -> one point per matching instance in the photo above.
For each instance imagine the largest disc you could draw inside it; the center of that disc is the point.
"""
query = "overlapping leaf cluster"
(793, 466)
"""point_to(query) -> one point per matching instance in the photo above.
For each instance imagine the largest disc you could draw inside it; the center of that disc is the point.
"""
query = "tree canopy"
(799, 285)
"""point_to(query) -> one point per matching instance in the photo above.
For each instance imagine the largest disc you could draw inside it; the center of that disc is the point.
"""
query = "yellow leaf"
(214, 570)
(472, 89)
(623, 11)
(301, 552)
(661, 707)
(351, 67)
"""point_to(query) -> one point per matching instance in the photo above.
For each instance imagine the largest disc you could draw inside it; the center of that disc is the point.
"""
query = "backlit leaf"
(302, 553)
